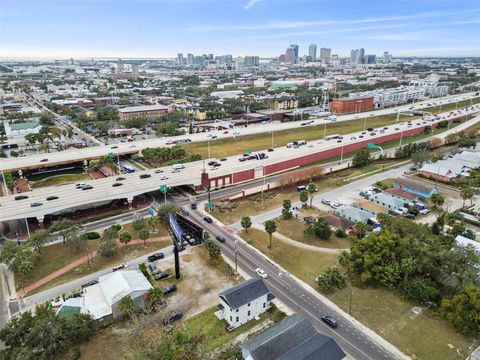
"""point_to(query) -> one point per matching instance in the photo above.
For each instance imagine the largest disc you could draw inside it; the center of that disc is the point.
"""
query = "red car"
(225, 132)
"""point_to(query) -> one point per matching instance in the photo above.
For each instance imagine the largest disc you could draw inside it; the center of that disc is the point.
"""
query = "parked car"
(119, 267)
(330, 321)
(169, 289)
(220, 238)
(207, 219)
(261, 273)
(161, 276)
(156, 256)
(177, 315)
(153, 268)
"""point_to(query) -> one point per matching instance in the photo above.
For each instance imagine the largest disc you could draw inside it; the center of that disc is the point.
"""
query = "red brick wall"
(243, 176)
(345, 106)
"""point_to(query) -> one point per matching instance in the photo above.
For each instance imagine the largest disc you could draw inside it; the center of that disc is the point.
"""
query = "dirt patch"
(199, 286)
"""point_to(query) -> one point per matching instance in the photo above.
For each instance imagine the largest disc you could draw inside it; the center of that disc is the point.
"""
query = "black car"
(210, 163)
(270, 150)
(21, 197)
(370, 129)
(117, 184)
(145, 176)
(177, 315)
(52, 197)
(169, 289)
(242, 159)
(251, 157)
(35, 204)
(246, 154)
(160, 276)
(330, 321)
(220, 238)
(223, 159)
(120, 178)
(156, 256)
(88, 187)
(207, 219)
(193, 206)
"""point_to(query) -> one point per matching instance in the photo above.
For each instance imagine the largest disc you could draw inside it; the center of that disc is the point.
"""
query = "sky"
(163, 28)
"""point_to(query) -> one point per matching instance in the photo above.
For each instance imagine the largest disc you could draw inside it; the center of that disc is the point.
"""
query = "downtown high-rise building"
(190, 59)
(120, 66)
(180, 59)
(325, 55)
(295, 49)
(135, 72)
(357, 56)
(252, 61)
(312, 52)
(291, 55)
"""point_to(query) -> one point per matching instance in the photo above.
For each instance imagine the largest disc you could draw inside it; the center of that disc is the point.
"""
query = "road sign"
(163, 188)
(373, 146)
(210, 205)
(151, 212)
(249, 152)
(110, 155)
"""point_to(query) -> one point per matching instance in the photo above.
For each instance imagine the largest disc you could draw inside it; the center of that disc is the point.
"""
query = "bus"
(332, 137)
(128, 169)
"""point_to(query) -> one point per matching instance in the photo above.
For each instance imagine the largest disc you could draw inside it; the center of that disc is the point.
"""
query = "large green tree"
(463, 311)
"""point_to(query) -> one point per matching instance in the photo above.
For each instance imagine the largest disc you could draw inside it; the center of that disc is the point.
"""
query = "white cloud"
(248, 5)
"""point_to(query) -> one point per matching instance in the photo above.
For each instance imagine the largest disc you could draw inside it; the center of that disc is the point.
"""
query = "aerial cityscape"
(239, 180)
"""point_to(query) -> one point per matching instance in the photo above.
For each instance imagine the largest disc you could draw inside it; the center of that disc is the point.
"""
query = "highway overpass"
(231, 172)
(79, 155)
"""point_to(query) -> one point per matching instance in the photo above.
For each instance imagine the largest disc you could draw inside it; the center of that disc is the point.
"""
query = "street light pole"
(236, 269)
(401, 137)
(341, 156)
(208, 147)
(272, 138)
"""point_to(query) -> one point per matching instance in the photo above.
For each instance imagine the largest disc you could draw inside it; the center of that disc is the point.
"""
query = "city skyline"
(163, 28)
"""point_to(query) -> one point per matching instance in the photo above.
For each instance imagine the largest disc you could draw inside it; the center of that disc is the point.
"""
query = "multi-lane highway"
(78, 155)
(102, 189)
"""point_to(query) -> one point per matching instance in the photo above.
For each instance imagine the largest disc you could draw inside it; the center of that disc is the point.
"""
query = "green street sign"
(249, 152)
(110, 155)
(163, 188)
(373, 146)
(206, 191)
(210, 204)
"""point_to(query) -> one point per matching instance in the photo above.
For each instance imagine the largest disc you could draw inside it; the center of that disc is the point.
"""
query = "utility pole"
(350, 301)
(236, 269)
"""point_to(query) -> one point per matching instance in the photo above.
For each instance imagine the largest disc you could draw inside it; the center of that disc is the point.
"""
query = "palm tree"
(466, 193)
(270, 228)
(127, 306)
(246, 223)
(360, 229)
(155, 297)
(311, 188)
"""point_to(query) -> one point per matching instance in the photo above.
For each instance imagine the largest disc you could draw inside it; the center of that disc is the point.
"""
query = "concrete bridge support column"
(40, 219)
(130, 201)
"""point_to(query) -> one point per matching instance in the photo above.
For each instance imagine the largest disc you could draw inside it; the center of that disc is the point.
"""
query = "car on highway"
(120, 178)
(52, 197)
(330, 321)
(145, 176)
(326, 202)
(242, 159)
(193, 206)
(21, 197)
(213, 137)
(164, 178)
(334, 204)
(161, 276)
(117, 184)
(175, 316)
(270, 150)
(220, 238)
(156, 256)
(36, 204)
(44, 160)
(114, 147)
(207, 219)
(261, 273)
(158, 171)
(223, 159)
(225, 132)
(81, 185)
(169, 289)
(88, 187)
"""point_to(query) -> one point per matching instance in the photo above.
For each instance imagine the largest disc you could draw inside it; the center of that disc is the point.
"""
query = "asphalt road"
(349, 336)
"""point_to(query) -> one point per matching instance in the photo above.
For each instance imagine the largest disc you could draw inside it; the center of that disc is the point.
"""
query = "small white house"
(244, 302)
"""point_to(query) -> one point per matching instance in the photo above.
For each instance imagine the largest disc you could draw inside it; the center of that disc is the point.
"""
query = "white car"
(334, 204)
(261, 273)
(164, 178)
(158, 171)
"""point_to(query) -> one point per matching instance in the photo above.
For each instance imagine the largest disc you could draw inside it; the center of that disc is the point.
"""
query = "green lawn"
(302, 263)
(59, 180)
(52, 258)
(294, 229)
(214, 331)
(423, 336)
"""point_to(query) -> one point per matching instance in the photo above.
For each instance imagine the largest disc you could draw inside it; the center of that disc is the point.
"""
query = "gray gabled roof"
(244, 293)
(293, 338)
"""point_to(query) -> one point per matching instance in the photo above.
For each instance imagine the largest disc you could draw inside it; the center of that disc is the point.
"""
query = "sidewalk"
(79, 262)
(302, 245)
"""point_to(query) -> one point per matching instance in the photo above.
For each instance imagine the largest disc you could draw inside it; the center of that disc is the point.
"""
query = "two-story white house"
(244, 302)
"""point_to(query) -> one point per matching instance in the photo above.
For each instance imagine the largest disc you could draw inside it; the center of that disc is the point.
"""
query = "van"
(301, 188)
(178, 167)
(289, 145)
